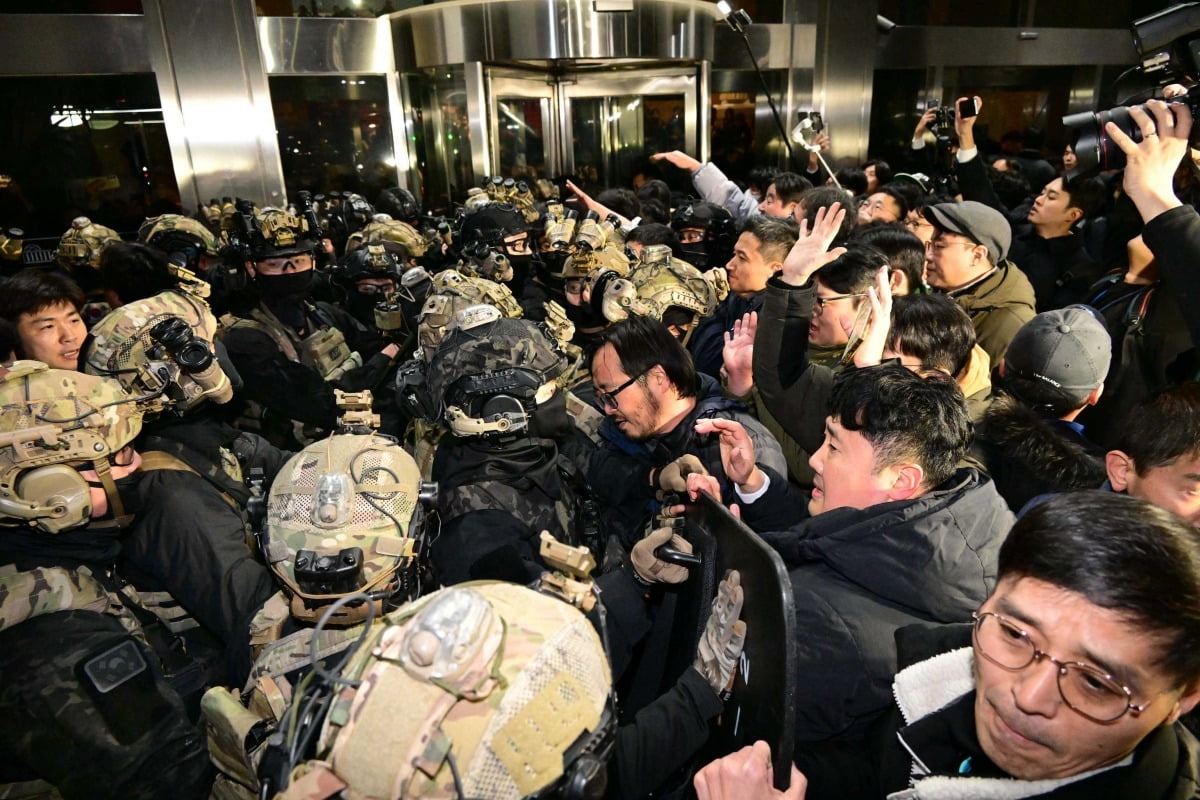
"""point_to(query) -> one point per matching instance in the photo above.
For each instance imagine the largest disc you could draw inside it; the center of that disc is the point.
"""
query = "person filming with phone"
(1047, 244)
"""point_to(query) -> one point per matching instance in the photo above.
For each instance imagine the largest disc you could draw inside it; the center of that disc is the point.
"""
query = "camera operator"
(1172, 229)
(1046, 244)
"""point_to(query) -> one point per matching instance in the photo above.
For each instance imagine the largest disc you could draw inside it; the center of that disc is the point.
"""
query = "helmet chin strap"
(111, 495)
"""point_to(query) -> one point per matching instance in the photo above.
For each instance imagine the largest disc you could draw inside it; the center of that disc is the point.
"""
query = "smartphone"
(966, 108)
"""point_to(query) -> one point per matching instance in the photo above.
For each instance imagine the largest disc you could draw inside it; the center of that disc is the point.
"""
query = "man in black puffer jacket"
(893, 534)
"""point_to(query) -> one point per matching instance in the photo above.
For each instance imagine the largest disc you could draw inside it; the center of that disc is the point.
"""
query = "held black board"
(763, 704)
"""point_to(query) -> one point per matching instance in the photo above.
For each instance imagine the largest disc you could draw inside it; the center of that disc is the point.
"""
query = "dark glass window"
(83, 145)
(334, 134)
(441, 136)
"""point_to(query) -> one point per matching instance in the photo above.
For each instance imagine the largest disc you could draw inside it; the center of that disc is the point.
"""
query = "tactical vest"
(324, 351)
(574, 517)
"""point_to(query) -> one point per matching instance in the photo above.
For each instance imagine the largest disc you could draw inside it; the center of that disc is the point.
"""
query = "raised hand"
(875, 337)
(739, 354)
(811, 250)
(679, 159)
(1151, 164)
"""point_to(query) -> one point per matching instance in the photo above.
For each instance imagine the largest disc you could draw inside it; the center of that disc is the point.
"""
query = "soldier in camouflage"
(78, 253)
(190, 538)
(291, 352)
(83, 696)
(183, 240)
(488, 690)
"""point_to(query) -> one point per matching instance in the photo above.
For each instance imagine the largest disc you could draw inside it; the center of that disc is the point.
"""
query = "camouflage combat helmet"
(83, 243)
(50, 419)
(278, 233)
(344, 516)
(160, 348)
(491, 375)
(505, 686)
(176, 234)
(657, 282)
(453, 292)
(392, 233)
(490, 224)
(504, 194)
(399, 203)
(596, 245)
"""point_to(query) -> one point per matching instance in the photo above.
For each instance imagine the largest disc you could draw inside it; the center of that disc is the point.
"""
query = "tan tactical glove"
(724, 635)
(649, 568)
(673, 477)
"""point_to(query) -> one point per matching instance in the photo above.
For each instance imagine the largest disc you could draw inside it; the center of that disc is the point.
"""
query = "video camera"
(1168, 45)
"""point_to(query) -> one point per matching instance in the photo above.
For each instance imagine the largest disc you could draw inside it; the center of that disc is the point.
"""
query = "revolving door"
(599, 125)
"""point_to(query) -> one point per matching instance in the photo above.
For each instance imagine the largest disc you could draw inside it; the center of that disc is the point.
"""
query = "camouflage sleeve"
(25, 594)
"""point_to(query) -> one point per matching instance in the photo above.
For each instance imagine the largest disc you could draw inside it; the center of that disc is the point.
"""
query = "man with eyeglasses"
(967, 259)
(652, 395)
(1070, 683)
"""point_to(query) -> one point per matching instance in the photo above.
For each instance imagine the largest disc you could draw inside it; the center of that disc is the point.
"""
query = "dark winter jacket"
(707, 344)
(1154, 329)
(619, 471)
(1059, 269)
(1026, 454)
(860, 574)
(796, 393)
(1151, 350)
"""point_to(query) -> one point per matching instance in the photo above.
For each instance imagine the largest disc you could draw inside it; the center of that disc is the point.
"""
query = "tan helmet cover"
(154, 227)
(454, 292)
(389, 230)
(499, 676)
(51, 417)
(83, 243)
(122, 348)
(349, 490)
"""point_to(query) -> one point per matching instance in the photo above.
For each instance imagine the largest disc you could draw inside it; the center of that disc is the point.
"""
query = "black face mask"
(288, 287)
(362, 307)
(585, 317)
(695, 254)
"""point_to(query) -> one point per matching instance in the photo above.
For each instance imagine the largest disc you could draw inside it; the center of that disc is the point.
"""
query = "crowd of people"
(347, 500)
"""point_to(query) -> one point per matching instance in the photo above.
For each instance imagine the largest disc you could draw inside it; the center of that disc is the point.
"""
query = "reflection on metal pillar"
(477, 112)
(844, 72)
(704, 111)
(215, 100)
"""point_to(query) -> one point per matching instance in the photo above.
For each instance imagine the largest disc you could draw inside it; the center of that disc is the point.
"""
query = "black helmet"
(491, 224)
(399, 203)
(368, 261)
(720, 233)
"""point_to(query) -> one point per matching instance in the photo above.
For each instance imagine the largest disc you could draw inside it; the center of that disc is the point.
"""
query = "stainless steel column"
(215, 100)
(844, 73)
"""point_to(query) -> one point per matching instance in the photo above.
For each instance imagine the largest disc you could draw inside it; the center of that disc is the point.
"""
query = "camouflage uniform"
(498, 677)
(68, 628)
(293, 353)
(502, 476)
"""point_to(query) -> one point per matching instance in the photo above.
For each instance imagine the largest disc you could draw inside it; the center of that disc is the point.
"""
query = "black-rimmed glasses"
(609, 399)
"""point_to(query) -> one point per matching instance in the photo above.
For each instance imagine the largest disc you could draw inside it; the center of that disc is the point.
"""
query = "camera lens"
(1094, 150)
